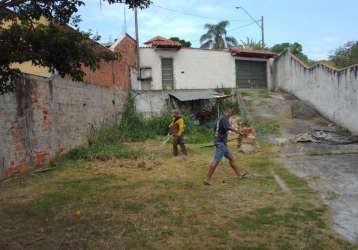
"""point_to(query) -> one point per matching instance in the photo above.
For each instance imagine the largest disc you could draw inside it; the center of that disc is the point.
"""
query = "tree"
(295, 48)
(181, 41)
(346, 55)
(251, 43)
(216, 36)
(46, 33)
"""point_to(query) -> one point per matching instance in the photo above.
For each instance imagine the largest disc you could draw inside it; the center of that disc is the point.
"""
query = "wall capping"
(317, 65)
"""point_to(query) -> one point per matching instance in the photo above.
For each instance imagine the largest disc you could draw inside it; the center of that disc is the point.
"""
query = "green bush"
(199, 136)
(133, 127)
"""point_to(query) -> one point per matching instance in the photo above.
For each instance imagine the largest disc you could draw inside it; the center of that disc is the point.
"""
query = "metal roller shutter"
(251, 74)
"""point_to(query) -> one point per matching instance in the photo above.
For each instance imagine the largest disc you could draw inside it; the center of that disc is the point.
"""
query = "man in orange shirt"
(177, 127)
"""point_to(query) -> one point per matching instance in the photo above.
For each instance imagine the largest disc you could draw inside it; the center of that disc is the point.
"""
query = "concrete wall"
(334, 93)
(193, 68)
(151, 103)
(44, 118)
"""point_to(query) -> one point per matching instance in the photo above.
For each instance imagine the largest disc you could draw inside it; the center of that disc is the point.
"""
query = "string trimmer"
(167, 138)
(213, 145)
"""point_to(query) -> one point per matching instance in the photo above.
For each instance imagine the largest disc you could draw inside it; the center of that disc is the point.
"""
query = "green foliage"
(216, 36)
(223, 90)
(199, 135)
(266, 127)
(232, 103)
(181, 41)
(251, 43)
(295, 48)
(346, 55)
(55, 44)
(133, 127)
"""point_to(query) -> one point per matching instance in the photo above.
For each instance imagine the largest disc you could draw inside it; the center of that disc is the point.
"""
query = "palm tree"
(216, 37)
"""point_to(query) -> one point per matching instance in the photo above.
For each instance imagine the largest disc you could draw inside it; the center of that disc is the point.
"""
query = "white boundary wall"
(334, 93)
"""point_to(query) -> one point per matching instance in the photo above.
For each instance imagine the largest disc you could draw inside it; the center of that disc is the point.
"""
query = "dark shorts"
(222, 151)
(179, 140)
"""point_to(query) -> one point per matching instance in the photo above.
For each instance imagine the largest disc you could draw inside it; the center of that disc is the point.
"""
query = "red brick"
(13, 169)
(19, 132)
(115, 72)
(41, 158)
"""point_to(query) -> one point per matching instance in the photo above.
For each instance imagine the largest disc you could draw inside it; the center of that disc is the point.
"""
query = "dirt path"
(330, 169)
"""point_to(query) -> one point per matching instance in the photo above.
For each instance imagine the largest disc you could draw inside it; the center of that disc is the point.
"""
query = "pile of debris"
(327, 137)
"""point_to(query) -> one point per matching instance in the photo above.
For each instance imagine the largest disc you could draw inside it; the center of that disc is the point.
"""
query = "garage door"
(250, 74)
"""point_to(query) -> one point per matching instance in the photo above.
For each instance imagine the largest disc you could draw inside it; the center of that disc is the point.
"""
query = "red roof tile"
(161, 42)
(248, 52)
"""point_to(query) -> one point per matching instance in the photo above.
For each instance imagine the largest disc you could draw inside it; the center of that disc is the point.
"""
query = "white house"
(166, 67)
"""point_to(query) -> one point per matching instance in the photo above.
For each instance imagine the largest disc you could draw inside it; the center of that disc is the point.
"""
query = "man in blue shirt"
(221, 135)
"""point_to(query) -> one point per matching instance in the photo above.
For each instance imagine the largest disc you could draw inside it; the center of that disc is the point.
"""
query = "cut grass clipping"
(102, 152)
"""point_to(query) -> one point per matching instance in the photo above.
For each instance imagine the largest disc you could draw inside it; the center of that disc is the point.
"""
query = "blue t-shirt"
(222, 129)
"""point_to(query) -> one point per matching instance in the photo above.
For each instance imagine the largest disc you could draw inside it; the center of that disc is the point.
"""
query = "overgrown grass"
(265, 126)
(264, 93)
(102, 152)
(125, 207)
(200, 135)
(246, 93)
(134, 127)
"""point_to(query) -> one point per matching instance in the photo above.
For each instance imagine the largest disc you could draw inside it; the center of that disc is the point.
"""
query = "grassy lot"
(143, 198)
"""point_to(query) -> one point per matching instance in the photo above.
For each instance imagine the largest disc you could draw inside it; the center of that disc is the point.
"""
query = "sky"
(319, 25)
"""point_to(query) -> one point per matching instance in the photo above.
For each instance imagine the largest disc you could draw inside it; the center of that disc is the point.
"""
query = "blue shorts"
(222, 151)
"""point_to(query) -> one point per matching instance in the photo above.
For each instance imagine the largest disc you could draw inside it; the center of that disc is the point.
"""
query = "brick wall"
(115, 72)
(46, 117)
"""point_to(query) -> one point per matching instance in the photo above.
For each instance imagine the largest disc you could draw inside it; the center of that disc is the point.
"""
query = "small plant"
(223, 90)
(267, 126)
(246, 93)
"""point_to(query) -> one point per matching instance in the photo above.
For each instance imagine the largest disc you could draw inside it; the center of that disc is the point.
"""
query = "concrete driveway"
(330, 169)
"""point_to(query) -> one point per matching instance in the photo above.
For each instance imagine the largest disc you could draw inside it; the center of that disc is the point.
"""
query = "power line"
(243, 26)
(190, 14)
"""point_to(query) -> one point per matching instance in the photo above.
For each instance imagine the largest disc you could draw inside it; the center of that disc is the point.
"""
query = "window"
(167, 73)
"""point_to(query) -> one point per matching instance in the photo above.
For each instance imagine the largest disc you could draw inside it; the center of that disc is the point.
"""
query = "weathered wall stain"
(333, 92)
(47, 117)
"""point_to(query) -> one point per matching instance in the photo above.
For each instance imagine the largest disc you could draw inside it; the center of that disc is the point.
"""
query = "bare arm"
(234, 130)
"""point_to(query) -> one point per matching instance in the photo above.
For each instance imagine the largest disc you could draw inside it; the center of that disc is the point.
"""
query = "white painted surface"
(193, 68)
(333, 93)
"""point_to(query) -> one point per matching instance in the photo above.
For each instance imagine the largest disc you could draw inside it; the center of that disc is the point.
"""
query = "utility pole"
(260, 24)
(125, 19)
(262, 32)
(137, 39)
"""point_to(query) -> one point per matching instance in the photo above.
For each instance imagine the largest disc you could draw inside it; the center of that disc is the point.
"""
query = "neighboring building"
(167, 67)
(109, 73)
(115, 72)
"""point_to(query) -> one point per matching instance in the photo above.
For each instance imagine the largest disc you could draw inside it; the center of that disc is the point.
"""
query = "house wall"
(109, 73)
(115, 72)
(151, 103)
(46, 117)
(193, 68)
(334, 93)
